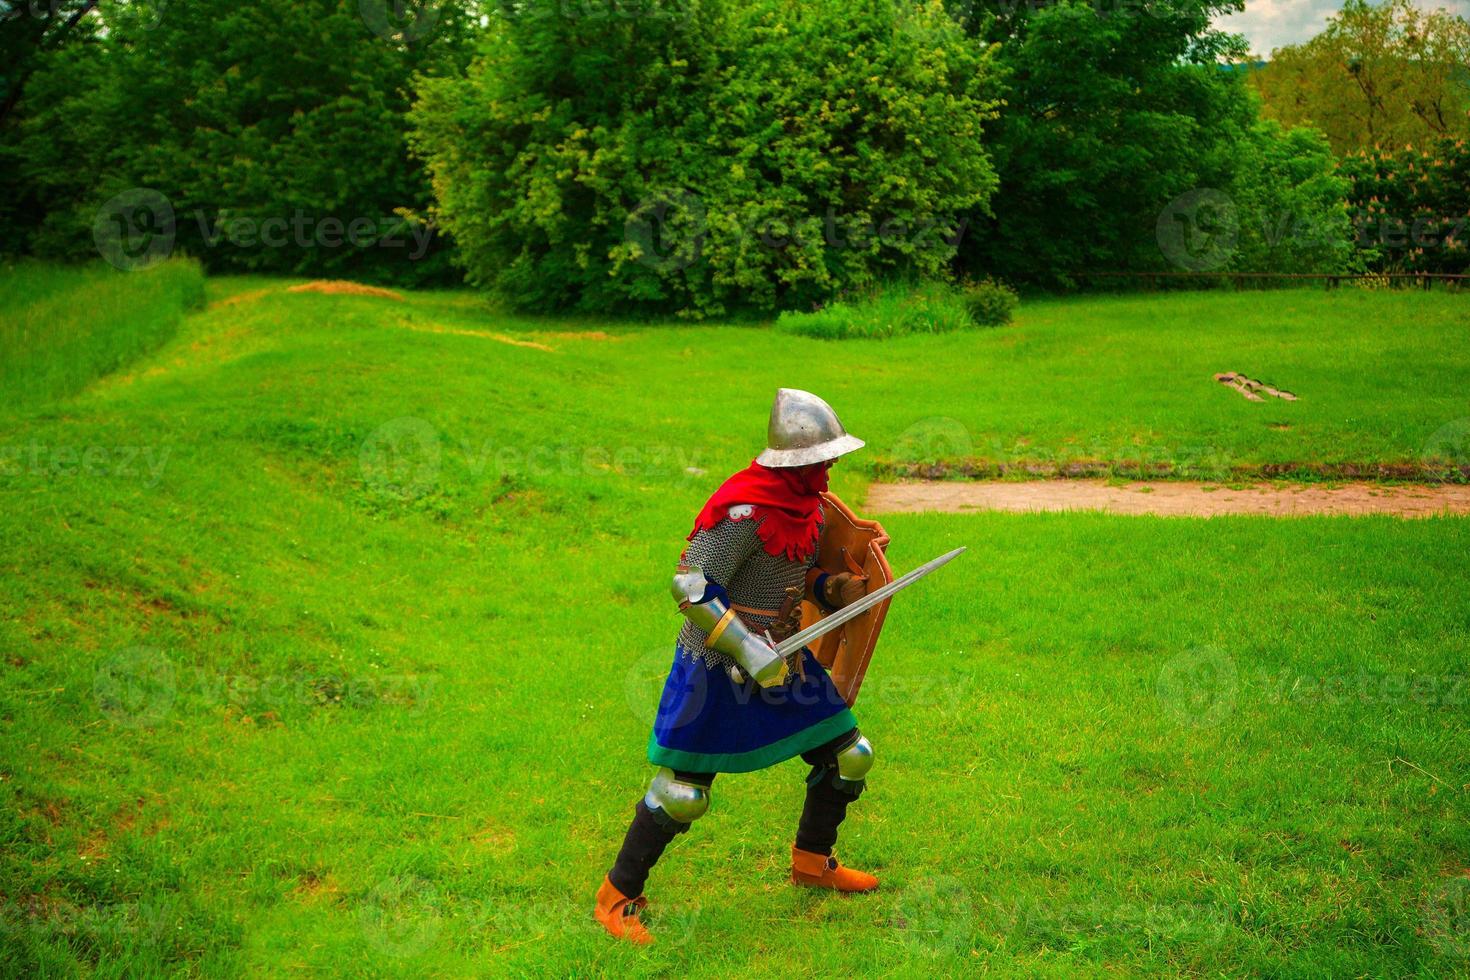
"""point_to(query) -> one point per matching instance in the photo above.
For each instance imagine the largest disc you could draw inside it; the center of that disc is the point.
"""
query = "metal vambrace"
(727, 634)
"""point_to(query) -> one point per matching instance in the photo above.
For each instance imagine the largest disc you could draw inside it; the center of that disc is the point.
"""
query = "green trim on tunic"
(767, 755)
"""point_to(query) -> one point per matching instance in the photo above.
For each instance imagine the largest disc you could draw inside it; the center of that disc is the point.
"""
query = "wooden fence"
(1240, 280)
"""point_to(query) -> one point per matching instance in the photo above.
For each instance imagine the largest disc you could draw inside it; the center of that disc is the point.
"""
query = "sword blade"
(830, 622)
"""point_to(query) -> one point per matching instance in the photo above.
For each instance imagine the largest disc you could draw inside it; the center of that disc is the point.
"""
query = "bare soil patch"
(485, 334)
(1171, 498)
(341, 287)
(249, 296)
(892, 471)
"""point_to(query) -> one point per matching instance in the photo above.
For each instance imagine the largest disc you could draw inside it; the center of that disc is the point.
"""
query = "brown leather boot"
(619, 914)
(821, 871)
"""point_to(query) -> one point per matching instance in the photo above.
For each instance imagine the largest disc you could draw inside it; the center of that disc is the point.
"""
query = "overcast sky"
(1271, 24)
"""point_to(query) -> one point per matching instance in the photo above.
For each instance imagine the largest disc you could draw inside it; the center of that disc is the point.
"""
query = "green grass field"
(331, 631)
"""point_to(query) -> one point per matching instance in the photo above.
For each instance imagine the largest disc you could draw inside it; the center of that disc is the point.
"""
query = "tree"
(730, 155)
(1289, 203)
(29, 29)
(32, 33)
(274, 131)
(1111, 111)
(1411, 206)
(1383, 74)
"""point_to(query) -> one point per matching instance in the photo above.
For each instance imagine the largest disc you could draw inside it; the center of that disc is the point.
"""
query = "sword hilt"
(831, 621)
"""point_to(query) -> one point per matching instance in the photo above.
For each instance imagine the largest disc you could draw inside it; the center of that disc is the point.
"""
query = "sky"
(1271, 24)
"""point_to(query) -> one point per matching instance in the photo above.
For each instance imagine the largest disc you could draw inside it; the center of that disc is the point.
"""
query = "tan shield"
(850, 544)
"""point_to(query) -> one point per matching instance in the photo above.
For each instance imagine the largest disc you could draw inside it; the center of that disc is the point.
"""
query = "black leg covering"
(644, 844)
(827, 797)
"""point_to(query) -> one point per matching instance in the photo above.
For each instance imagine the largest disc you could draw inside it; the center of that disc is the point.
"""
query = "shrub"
(990, 303)
(1289, 203)
(746, 154)
(889, 311)
(1411, 207)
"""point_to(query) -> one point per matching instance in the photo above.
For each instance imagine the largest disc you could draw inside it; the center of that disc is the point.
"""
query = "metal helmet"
(804, 430)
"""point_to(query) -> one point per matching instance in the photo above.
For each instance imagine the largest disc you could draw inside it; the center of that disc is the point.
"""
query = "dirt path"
(1174, 498)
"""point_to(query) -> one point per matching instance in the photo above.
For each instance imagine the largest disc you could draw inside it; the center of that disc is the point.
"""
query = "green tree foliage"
(1111, 111)
(30, 32)
(1384, 74)
(709, 155)
(1411, 206)
(274, 130)
(692, 156)
(1291, 203)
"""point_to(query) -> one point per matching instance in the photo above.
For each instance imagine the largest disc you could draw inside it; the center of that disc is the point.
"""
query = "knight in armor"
(731, 703)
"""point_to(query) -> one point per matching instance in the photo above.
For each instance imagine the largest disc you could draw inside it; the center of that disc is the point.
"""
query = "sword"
(830, 622)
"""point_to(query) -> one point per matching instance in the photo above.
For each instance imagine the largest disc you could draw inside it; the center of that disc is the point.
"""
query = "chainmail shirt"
(731, 555)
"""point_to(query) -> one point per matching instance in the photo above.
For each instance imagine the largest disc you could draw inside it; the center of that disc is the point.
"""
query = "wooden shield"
(850, 544)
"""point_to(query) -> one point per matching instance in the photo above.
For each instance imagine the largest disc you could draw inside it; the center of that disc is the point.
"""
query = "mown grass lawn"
(331, 632)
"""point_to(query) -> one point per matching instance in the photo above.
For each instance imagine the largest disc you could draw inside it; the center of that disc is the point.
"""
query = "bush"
(890, 311)
(1411, 207)
(1289, 203)
(747, 154)
(990, 303)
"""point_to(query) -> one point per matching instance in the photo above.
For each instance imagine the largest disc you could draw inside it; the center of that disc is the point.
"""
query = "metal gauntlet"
(727, 634)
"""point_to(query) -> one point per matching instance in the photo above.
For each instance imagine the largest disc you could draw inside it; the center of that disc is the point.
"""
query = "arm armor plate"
(727, 634)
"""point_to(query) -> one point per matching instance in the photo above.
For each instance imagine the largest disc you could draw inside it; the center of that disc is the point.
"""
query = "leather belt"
(752, 611)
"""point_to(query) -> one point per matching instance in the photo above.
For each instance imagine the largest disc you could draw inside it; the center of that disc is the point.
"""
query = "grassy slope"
(296, 700)
(1113, 379)
(62, 328)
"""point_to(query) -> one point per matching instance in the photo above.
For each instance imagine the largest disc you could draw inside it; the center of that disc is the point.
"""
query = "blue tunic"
(708, 723)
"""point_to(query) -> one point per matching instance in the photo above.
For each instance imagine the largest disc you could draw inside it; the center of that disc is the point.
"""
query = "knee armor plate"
(855, 759)
(680, 801)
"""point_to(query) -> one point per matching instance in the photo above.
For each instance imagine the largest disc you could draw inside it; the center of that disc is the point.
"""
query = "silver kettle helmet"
(804, 430)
